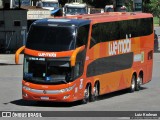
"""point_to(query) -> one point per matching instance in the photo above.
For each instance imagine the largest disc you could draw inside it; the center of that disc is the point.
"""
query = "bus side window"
(82, 35)
(104, 32)
(95, 35)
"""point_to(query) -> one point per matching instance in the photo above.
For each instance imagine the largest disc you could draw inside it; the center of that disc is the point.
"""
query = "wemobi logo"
(47, 54)
(120, 46)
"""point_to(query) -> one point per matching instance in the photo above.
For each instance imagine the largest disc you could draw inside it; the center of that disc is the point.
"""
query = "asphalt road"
(147, 99)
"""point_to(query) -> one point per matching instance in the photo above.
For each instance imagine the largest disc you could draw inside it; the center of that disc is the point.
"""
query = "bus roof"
(79, 20)
(111, 16)
(61, 22)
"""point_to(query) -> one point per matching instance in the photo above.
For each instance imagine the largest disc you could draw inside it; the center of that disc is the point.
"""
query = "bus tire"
(95, 92)
(139, 83)
(133, 84)
(85, 100)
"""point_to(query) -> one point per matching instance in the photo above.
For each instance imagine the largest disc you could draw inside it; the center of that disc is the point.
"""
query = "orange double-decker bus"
(81, 57)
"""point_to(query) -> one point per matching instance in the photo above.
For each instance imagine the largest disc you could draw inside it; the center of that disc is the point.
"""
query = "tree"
(145, 5)
(155, 8)
(129, 5)
(19, 3)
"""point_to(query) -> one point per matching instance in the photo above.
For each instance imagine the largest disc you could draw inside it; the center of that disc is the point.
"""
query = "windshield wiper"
(64, 81)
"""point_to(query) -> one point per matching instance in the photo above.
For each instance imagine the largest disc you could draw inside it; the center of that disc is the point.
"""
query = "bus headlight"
(26, 88)
(67, 89)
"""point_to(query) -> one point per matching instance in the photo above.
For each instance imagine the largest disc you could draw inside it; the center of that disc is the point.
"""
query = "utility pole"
(19, 4)
(1, 4)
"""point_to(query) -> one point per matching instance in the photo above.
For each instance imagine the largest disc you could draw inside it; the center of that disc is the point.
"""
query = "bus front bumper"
(62, 95)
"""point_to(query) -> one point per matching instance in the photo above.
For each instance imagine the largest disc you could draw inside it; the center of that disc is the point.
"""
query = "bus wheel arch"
(95, 91)
(139, 80)
(87, 93)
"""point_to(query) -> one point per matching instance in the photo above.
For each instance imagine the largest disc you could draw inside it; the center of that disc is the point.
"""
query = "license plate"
(44, 98)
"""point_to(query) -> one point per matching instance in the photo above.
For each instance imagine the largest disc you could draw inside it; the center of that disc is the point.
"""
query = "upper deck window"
(51, 38)
(117, 30)
(82, 35)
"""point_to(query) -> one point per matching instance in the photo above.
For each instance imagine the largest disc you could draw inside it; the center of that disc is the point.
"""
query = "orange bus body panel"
(141, 51)
(46, 54)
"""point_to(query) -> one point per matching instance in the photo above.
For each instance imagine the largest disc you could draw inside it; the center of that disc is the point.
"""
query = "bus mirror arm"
(74, 55)
(17, 54)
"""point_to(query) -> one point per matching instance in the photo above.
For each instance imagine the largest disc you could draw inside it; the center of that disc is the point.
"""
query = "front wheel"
(86, 95)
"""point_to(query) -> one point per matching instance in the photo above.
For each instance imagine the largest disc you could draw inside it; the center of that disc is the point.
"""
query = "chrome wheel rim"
(133, 84)
(139, 81)
(86, 93)
(96, 90)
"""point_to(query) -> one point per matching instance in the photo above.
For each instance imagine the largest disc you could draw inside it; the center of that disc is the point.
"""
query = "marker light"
(67, 89)
(26, 88)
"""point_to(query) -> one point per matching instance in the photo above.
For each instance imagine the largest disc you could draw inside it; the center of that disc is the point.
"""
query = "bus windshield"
(74, 11)
(43, 70)
(50, 4)
(51, 38)
(23, 2)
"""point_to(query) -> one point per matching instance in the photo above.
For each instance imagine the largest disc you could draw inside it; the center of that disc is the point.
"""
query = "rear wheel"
(95, 92)
(139, 83)
(133, 84)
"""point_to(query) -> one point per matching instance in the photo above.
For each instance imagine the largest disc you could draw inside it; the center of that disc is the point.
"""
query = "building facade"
(13, 27)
